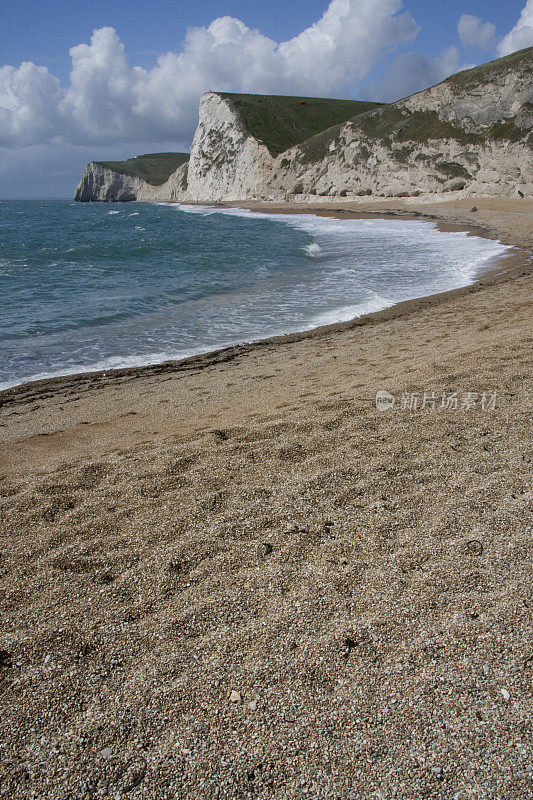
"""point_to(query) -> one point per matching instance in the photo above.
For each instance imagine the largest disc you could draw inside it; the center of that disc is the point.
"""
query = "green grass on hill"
(154, 168)
(395, 123)
(281, 122)
(469, 78)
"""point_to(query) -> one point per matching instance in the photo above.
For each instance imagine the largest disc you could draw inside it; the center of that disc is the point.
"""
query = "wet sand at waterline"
(235, 577)
(508, 219)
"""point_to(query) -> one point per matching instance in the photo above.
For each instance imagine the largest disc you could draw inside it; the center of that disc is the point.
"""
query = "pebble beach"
(235, 576)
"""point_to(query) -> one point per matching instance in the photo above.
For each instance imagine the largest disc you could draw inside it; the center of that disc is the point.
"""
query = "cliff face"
(101, 183)
(472, 134)
(227, 162)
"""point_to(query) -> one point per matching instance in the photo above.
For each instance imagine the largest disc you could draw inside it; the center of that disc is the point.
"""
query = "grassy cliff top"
(396, 123)
(281, 122)
(154, 168)
(487, 72)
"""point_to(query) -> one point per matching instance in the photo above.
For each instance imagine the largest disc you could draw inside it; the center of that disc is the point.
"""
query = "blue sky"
(43, 31)
(51, 123)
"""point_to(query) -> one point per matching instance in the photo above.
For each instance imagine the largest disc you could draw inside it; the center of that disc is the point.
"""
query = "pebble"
(252, 705)
(348, 645)
(105, 753)
(505, 694)
(235, 697)
(474, 547)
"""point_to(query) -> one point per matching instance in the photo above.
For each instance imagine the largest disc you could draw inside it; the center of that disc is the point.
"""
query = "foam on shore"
(232, 286)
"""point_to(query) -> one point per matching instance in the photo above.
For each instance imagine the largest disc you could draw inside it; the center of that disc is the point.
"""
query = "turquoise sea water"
(95, 286)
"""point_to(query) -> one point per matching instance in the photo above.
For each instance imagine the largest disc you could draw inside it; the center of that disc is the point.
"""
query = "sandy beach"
(235, 577)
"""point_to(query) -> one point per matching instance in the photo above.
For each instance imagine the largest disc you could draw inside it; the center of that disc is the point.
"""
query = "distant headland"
(470, 135)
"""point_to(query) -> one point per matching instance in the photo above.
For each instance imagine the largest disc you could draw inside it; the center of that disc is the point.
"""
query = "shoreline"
(495, 218)
(242, 572)
(519, 257)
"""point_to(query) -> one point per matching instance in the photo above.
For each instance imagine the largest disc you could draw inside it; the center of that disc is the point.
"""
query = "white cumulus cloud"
(30, 98)
(522, 33)
(474, 32)
(108, 101)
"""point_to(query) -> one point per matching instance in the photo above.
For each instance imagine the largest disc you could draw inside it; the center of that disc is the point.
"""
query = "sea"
(96, 286)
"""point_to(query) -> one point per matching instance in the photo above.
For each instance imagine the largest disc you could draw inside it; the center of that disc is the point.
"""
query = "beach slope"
(235, 577)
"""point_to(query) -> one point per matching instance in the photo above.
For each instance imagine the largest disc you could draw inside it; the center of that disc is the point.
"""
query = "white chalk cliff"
(471, 134)
(101, 183)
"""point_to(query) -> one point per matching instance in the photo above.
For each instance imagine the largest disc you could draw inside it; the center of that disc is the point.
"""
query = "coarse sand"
(235, 577)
